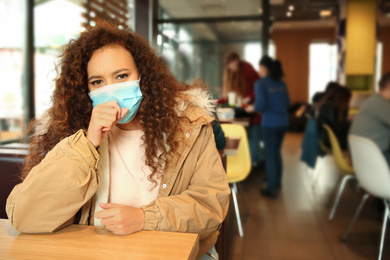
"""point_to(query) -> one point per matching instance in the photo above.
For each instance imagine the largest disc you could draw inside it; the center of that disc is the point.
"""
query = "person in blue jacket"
(272, 100)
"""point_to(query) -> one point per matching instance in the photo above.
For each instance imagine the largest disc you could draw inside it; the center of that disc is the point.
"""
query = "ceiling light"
(325, 13)
(291, 8)
(288, 14)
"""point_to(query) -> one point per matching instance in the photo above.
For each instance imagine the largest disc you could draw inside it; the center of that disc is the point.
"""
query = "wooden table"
(89, 242)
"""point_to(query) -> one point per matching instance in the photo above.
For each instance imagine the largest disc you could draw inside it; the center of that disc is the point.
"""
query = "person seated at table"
(332, 110)
(373, 120)
(122, 147)
(273, 101)
(319, 95)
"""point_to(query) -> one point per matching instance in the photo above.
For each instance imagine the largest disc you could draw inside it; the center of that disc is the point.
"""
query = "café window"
(69, 22)
(56, 22)
(49, 38)
(12, 50)
(322, 65)
(253, 53)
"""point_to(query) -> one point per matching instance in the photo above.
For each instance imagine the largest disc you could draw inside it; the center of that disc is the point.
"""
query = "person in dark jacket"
(272, 99)
(219, 135)
(319, 95)
(332, 110)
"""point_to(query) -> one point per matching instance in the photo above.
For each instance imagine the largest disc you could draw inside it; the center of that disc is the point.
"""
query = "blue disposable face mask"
(127, 94)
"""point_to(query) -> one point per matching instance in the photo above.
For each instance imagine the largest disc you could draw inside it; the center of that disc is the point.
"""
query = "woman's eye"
(122, 76)
(96, 82)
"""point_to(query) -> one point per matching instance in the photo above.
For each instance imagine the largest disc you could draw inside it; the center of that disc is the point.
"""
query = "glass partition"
(196, 51)
(49, 38)
(12, 50)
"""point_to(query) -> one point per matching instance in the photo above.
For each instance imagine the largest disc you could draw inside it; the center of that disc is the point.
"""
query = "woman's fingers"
(123, 112)
(103, 119)
(114, 105)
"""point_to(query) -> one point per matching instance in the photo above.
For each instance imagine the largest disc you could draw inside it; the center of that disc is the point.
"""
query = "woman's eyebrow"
(119, 71)
(115, 72)
(94, 77)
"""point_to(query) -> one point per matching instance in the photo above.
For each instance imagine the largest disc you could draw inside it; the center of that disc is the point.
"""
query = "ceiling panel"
(305, 12)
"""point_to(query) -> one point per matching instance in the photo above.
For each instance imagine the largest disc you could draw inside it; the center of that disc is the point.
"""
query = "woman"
(121, 147)
(333, 111)
(271, 98)
(240, 78)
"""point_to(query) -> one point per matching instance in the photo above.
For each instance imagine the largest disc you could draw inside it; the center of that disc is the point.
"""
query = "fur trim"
(195, 97)
(42, 124)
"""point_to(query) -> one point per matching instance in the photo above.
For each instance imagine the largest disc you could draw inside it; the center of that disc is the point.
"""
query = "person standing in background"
(240, 78)
(272, 99)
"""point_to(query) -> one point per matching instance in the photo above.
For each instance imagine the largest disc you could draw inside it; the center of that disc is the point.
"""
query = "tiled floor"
(295, 226)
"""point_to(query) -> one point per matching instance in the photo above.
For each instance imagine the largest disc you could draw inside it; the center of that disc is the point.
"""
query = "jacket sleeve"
(57, 188)
(260, 96)
(288, 102)
(202, 207)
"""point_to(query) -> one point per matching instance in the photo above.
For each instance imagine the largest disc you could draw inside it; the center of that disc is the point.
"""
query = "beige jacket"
(62, 189)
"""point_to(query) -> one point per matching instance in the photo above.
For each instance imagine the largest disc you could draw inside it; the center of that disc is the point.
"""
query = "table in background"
(241, 117)
(90, 242)
(244, 121)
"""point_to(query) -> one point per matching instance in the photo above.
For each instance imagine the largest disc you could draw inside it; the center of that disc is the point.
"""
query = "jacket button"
(164, 186)
(187, 134)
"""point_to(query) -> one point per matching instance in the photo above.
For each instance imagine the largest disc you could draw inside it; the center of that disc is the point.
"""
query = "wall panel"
(292, 49)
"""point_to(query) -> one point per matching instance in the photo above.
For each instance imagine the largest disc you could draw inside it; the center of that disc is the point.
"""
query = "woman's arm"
(202, 207)
(260, 96)
(57, 188)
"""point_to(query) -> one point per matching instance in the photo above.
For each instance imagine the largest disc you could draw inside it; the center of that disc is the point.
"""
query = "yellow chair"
(319, 168)
(342, 164)
(325, 148)
(238, 166)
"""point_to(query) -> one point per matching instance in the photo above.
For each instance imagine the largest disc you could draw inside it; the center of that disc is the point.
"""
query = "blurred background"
(317, 41)
(193, 37)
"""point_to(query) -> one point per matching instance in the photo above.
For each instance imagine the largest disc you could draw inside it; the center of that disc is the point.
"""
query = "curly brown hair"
(71, 106)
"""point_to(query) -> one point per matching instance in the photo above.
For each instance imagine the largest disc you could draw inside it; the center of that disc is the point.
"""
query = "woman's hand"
(104, 117)
(246, 100)
(121, 219)
(250, 109)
